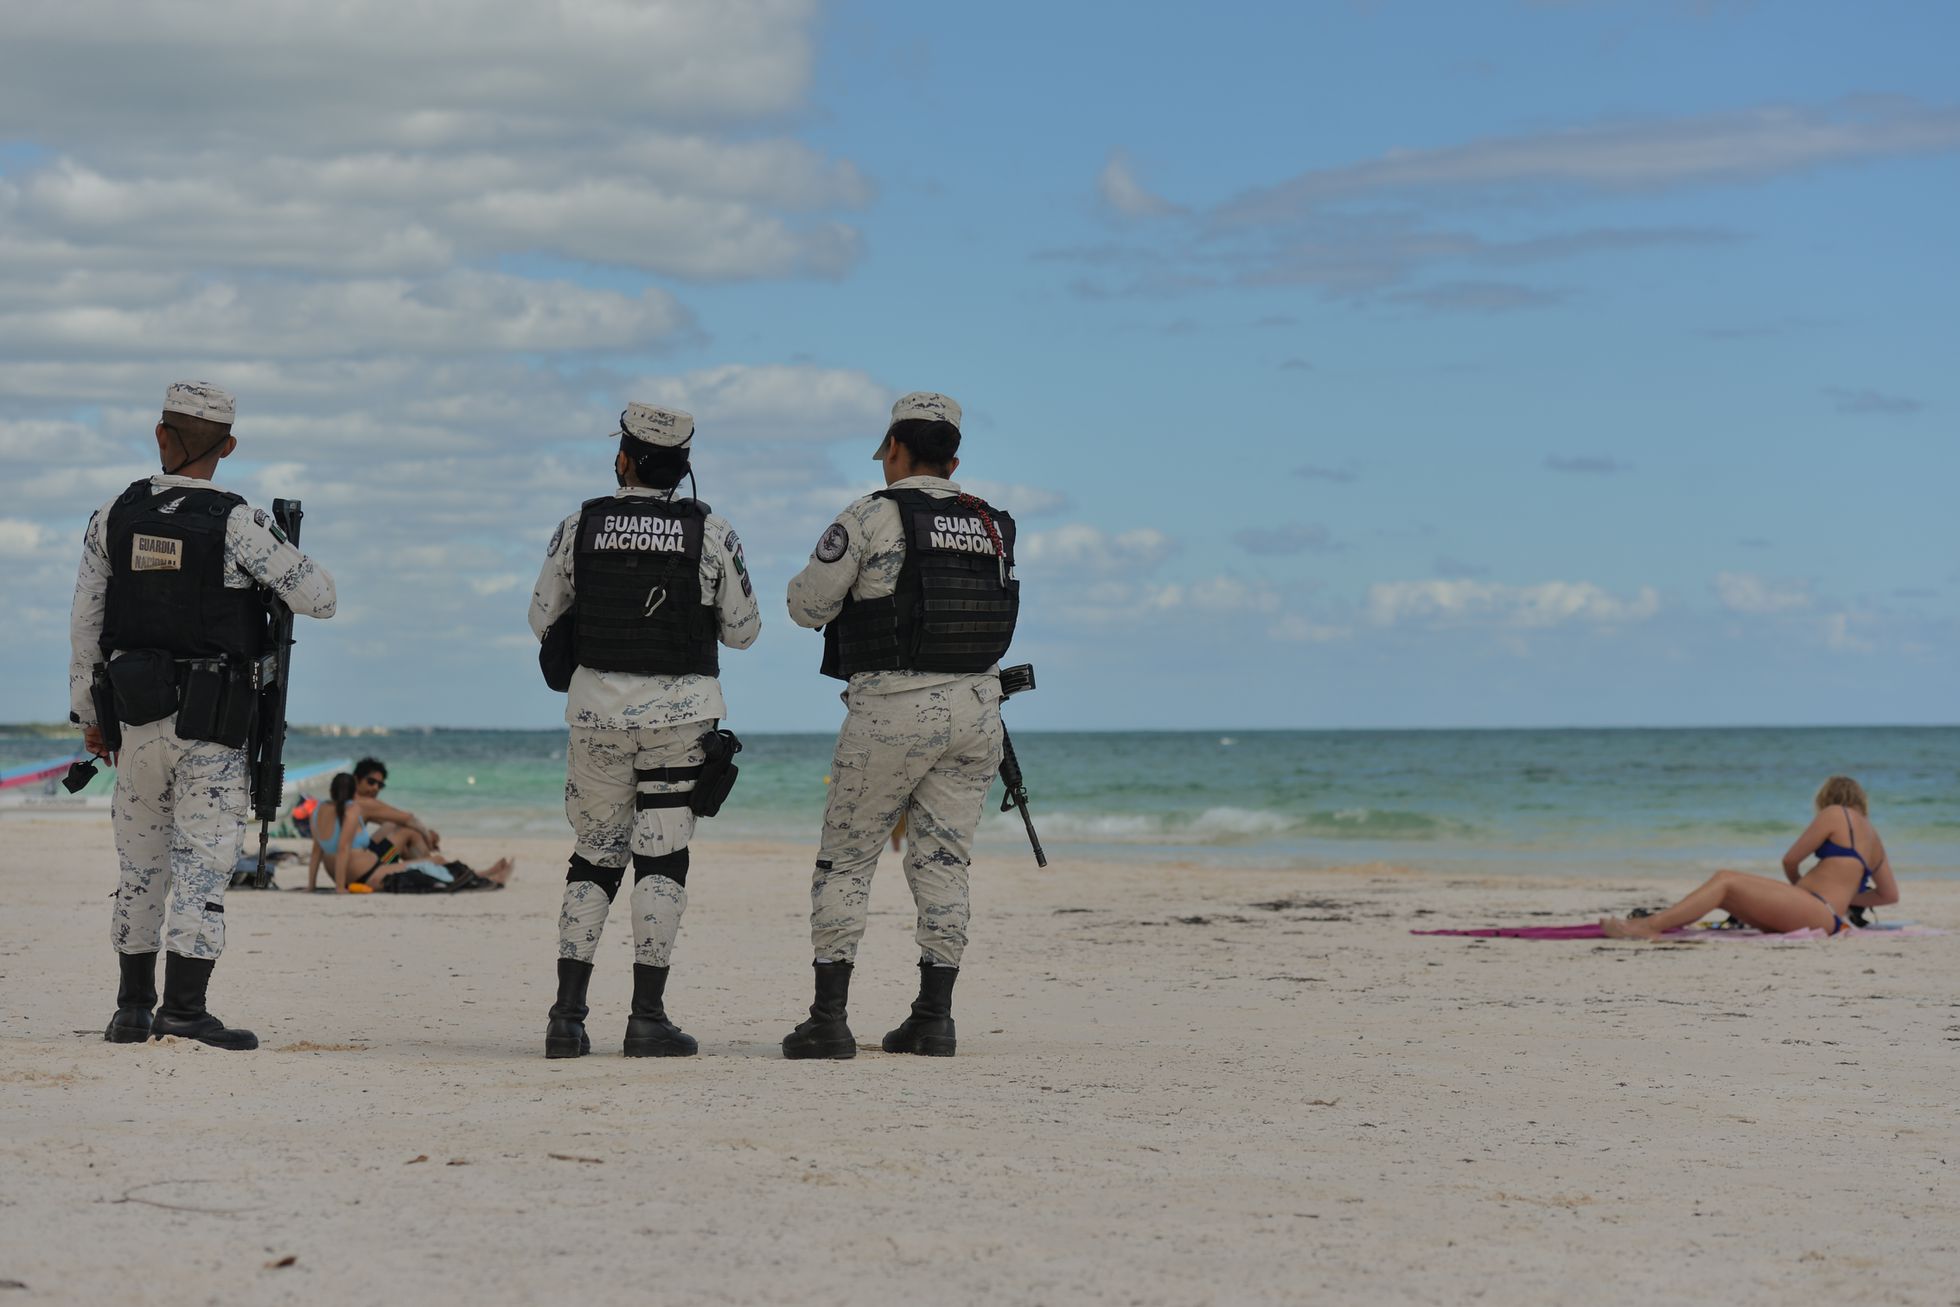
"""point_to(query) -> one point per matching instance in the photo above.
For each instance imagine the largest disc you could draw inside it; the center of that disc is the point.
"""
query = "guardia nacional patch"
(156, 554)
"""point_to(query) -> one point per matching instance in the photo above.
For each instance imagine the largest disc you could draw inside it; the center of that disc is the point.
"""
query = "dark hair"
(658, 466)
(932, 442)
(198, 437)
(371, 767)
(340, 790)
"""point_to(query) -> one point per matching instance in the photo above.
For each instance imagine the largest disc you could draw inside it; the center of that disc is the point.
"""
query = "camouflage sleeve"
(551, 597)
(85, 621)
(735, 605)
(817, 593)
(256, 548)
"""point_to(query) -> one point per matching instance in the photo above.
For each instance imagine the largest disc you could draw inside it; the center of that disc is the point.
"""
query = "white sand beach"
(1175, 1086)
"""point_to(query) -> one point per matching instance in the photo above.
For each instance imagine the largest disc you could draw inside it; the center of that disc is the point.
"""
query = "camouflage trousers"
(612, 831)
(179, 816)
(927, 756)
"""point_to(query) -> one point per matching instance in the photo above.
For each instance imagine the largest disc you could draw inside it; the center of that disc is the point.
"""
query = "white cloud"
(1216, 595)
(1632, 155)
(435, 72)
(1403, 226)
(1083, 599)
(458, 312)
(1081, 548)
(1750, 595)
(244, 180)
(54, 442)
(1467, 601)
(1838, 634)
(21, 539)
(1121, 191)
(420, 242)
(498, 584)
(1023, 501)
(688, 205)
(621, 222)
(777, 401)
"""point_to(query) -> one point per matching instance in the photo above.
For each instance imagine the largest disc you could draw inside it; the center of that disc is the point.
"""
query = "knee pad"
(671, 865)
(606, 878)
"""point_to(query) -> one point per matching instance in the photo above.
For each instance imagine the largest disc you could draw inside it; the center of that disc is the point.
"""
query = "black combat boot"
(825, 1034)
(929, 1030)
(564, 1035)
(135, 996)
(648, 1031)
(183, 1013)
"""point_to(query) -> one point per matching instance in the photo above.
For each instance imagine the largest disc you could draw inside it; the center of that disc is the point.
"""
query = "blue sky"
(1348, 364)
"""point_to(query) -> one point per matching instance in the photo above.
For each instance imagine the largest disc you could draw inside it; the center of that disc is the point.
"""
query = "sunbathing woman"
(356, 863)
(1852, 868)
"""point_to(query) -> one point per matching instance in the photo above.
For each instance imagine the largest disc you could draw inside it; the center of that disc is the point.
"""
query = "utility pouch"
(558, 655)
(718, 773)
(144, 686)
(103, 696)
(217, 703)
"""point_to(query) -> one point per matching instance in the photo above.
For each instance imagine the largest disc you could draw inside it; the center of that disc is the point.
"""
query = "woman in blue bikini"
(362, 860)
(1851, 869)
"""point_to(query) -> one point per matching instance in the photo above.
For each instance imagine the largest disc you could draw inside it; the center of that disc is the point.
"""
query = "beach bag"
(413, 880)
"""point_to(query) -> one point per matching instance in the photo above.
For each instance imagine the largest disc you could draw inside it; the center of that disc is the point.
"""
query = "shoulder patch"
(734, 548)
(835, 541)
(263, 520)
(557, 538)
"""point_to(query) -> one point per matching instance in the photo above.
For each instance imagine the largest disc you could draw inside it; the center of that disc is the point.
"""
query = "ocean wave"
(1227, 825)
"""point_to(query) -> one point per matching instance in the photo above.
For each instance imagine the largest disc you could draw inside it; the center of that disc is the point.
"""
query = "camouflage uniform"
(920, 745)
(621, 720)
(180, 805)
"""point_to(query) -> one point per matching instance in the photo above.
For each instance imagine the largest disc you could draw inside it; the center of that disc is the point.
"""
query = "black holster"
(216, 702)
(718, 773)
(143, 686)
(558, 655)
(103, 696)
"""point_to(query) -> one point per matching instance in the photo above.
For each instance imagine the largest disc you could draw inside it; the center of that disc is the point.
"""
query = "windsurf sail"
(35, 772)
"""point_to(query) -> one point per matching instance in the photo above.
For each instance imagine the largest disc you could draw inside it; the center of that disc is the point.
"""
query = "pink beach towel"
(1591, 930)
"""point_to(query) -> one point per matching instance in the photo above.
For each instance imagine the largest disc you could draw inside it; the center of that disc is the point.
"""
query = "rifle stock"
(268, 758)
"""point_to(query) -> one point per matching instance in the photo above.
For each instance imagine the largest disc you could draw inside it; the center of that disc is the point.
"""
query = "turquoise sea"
(1555, 801)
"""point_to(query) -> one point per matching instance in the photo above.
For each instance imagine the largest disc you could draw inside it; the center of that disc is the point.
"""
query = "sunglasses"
(375, 781)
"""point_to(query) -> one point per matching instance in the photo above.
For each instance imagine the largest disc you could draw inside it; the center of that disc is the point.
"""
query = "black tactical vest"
(957, 597)
(636, 574)
(167, 577)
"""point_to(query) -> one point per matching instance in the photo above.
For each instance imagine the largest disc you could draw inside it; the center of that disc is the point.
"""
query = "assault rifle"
(1013, 681)
(275, 667)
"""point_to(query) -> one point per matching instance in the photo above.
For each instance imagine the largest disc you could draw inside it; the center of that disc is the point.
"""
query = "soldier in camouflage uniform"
(174, 570)
(916, 591)
(647, 584)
